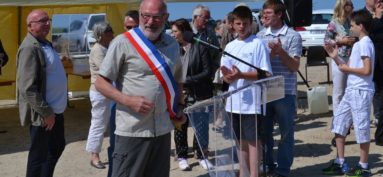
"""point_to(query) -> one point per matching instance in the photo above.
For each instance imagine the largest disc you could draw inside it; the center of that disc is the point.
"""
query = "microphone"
(190, 37)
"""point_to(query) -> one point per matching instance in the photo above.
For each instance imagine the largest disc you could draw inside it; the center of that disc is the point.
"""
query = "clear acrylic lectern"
(212, 124)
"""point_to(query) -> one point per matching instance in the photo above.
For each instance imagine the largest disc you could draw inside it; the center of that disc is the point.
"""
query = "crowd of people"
(142, 79)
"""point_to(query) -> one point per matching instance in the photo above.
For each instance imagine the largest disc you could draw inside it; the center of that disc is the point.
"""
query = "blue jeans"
(112, 128)
(282, 111)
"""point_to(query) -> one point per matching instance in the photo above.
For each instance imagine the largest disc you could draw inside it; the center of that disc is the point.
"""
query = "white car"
(74, 32)
(313, 35)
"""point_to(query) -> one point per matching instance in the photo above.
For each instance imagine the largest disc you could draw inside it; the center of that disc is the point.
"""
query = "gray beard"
(152, 36)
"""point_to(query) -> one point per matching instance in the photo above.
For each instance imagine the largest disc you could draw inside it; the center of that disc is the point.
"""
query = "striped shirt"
(292, 44)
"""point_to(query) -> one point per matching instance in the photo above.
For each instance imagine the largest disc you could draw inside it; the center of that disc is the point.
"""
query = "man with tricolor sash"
(145, 64)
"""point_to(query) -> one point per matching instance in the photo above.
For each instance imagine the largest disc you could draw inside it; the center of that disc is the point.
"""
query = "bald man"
(144, 119)
(42, 96)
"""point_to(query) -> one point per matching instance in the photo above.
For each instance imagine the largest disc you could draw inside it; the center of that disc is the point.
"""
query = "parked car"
(76, 35)
(313, 35)
(92, 20)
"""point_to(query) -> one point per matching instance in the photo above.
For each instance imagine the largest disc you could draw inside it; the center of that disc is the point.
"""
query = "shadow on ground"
(315, 170)
(305, 150)
(16, 139)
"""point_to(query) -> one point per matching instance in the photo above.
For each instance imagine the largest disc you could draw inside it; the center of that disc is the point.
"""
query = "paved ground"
(312, 149)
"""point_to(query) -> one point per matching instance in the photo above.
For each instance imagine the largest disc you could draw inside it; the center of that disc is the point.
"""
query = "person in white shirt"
(244, 107)
(103, 33)
(355, 106)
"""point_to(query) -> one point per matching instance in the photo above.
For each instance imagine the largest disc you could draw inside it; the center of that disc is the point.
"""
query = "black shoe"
(358, 171)
(335, 169)
(270, 169)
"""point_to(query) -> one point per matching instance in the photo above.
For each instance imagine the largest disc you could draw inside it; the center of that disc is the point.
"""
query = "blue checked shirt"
(292, 44)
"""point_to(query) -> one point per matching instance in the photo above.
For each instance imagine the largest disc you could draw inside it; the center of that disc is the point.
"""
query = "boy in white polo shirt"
(245, 105)
(355, 105)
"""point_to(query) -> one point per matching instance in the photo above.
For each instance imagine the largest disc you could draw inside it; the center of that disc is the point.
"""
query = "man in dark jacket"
(199, 24)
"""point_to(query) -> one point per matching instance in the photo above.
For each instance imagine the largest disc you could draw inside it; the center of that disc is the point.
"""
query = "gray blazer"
(31, 82)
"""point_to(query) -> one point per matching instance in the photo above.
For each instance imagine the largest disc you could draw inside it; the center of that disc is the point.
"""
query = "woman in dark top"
(198, 86)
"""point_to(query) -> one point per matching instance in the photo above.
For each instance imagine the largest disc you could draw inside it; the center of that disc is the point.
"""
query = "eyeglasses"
(43, 21)
(157, 18)
(129, 27)
(204, 17)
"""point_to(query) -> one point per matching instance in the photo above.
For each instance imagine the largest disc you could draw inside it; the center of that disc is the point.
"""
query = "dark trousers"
(378, 111)
(46, 148)
(201, 138)
(112, 128)
(141, 157)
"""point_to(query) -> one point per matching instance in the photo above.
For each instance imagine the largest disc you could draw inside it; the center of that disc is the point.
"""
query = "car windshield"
(75, 25)
(95, 19)
(321, 18)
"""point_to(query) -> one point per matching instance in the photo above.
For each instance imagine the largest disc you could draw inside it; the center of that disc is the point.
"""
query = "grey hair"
(198, 10)
(101, 28)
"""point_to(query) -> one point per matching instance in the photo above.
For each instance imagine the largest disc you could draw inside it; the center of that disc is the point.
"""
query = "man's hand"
(276, 47)
(140, 104)
(49, 122)
(67, 63)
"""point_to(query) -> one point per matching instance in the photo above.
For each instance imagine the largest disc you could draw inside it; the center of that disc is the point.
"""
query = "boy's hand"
(236, 72)
(225, 70)
(331, 50)
(226, 74)
(343, 67)
(230, 75)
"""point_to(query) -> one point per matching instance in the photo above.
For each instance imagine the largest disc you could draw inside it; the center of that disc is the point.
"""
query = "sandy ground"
(312, 138)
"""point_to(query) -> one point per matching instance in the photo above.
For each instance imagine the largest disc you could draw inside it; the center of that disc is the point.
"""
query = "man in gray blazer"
(42, 96)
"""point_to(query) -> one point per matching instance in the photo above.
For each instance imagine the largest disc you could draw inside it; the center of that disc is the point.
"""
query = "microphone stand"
(261, 73)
